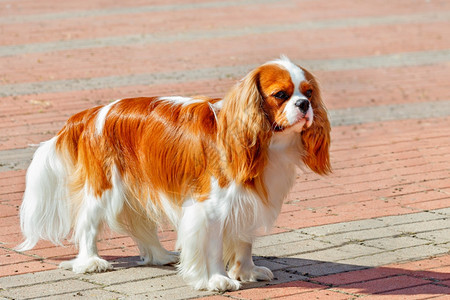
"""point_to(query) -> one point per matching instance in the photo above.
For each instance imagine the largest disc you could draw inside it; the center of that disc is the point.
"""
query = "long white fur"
(45, 211)
(90, 216)
(179, 100)
(101, 117)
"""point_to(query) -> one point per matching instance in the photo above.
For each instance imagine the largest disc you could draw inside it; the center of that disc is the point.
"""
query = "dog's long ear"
(316, 138)
(244, 130)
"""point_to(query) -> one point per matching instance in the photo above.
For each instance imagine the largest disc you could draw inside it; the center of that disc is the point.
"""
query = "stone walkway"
(377, 227)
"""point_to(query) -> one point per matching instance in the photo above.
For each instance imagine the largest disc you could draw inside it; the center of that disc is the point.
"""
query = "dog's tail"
(45, 211)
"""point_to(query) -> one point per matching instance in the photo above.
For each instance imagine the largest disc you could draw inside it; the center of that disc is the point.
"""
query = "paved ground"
(378, 227)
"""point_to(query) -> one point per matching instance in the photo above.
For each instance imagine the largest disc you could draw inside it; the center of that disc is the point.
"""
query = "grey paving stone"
(342, 227)
(281, 238)
(88, 294)
(393, 243)
(35, 278)
(291, 248)
(16, 159)
(446, 245)
(333, 254)
(410, 218)
(443, 211)
(327, 268)
(283, 276)
(431, 225)
(148, 285)
(48, 289)
(361, 115)
(176, 293)
(418, 252)
(272, 264)
(295, 261)
(338, 253)
(359, 236)
(126, 275)
(400, 255)
(375, 260)
(438, 236)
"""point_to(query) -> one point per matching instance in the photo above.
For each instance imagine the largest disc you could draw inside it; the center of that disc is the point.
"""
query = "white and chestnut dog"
(217, 169)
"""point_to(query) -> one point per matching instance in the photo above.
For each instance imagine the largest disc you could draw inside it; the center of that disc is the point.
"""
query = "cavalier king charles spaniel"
(217, 169)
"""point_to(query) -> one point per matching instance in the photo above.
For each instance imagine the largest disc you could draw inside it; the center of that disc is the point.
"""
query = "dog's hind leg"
(87, 226)
(144, 231)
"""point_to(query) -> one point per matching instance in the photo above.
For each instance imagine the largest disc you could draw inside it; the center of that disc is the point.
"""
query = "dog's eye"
(308, 93)
(281, 95)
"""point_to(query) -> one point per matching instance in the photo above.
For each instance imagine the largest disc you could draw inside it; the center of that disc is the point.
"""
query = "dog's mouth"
(302, 123)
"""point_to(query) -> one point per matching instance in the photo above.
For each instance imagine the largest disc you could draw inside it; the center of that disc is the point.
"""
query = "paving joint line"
(346, 293)
(437, 212)
(393, 142)
(33, 256)
(407, 287)
(405, 205)
(379, 162)
(439, 190)
(334, 195)
(399, 183)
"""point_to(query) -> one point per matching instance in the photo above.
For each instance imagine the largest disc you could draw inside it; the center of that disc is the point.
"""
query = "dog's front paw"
(221, 283)
(252, 274)
(93, 264)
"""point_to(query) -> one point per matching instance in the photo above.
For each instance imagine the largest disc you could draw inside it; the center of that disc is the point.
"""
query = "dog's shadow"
(308, 274)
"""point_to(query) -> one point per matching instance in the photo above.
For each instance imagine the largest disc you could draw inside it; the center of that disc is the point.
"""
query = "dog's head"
(277, 97)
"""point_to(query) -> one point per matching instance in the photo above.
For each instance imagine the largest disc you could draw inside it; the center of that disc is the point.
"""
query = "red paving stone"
(358, 276)
(379, 286)
(274, 291)
(418, 292)
(317, 294)
(26, 267)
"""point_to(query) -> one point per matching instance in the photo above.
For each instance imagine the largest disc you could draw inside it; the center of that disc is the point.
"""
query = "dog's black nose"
(303, 105)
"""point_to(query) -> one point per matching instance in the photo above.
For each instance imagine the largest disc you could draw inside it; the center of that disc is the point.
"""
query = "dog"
(218, 169)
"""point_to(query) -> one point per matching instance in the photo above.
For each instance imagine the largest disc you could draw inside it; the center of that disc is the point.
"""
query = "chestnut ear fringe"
(316, 144)
(323, 168)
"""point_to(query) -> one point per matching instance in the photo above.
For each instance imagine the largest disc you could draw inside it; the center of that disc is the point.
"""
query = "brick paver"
(377, 227)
